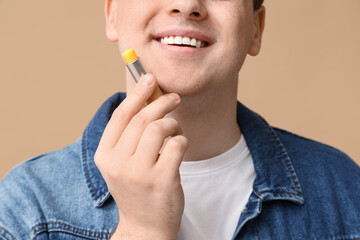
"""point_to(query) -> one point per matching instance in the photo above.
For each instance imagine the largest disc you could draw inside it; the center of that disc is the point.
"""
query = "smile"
(183, 41)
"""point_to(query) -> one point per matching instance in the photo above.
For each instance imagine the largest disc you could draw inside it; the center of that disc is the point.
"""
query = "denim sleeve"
(17, 205)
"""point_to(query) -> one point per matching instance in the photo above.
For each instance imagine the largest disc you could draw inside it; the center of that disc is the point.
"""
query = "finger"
(172, 155)
(126, 110)
(153, 139)
(130, 138)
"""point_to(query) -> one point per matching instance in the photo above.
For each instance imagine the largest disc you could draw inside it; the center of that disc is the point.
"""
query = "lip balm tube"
(137, 70)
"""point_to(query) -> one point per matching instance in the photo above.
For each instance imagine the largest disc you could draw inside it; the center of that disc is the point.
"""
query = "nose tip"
(189, 9)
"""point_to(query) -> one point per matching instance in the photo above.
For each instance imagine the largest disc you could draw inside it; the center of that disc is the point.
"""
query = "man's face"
(225, 30)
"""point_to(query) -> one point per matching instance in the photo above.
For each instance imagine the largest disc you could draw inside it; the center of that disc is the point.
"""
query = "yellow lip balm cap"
(129, 56)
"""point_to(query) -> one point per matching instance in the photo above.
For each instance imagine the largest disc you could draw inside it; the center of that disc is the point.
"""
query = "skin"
(195, 121)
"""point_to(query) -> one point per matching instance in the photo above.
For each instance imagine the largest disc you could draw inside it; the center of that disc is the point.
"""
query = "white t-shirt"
(216, 192)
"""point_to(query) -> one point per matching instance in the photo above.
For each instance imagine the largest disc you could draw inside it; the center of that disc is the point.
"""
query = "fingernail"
(174, 96)
(147, 80)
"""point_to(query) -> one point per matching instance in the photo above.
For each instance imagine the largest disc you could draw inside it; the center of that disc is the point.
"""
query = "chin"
(182, 85)
(183, 79)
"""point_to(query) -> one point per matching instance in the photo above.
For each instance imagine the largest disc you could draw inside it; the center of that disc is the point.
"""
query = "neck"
(209, 123)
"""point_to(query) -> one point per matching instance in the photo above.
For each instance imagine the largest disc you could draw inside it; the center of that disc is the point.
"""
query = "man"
(193, 164)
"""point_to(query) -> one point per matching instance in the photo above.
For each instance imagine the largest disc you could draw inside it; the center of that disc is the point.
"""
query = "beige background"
(57, 67)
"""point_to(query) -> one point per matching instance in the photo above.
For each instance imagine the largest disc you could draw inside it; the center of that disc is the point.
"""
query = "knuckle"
(178, 128)
(139, 120)
(98, 158)
(175, 126)
(107, 166)
(184, 142)
(114, 170)
(114, 174)
(174, 122)
(176, 144)
(156, 128)
(118, 114)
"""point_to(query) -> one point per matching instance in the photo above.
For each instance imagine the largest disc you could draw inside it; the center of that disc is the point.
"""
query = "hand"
(145, 185)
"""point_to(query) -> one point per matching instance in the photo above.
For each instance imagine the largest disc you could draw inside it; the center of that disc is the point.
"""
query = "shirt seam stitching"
(87, 169)
(75, 230)
(7, 232)
(283, 158)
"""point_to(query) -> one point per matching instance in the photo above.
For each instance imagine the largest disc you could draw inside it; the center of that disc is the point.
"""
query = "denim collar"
(275, 175)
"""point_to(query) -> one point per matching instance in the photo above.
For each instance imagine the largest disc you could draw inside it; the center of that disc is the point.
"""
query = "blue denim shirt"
(303, 189)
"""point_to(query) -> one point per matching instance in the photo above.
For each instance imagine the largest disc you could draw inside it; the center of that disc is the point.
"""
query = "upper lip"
(184, 33)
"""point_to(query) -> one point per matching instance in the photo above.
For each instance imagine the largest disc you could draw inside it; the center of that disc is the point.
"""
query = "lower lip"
(181, 50)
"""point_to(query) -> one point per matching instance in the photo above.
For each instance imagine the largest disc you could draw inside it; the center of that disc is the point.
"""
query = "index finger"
(122, 115)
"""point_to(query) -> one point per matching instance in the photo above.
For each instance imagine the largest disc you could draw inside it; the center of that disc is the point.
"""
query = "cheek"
(237, 40)
(133, 17)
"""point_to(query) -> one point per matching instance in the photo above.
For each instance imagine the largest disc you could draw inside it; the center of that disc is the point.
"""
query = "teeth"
(186, 41)
(179, 40)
